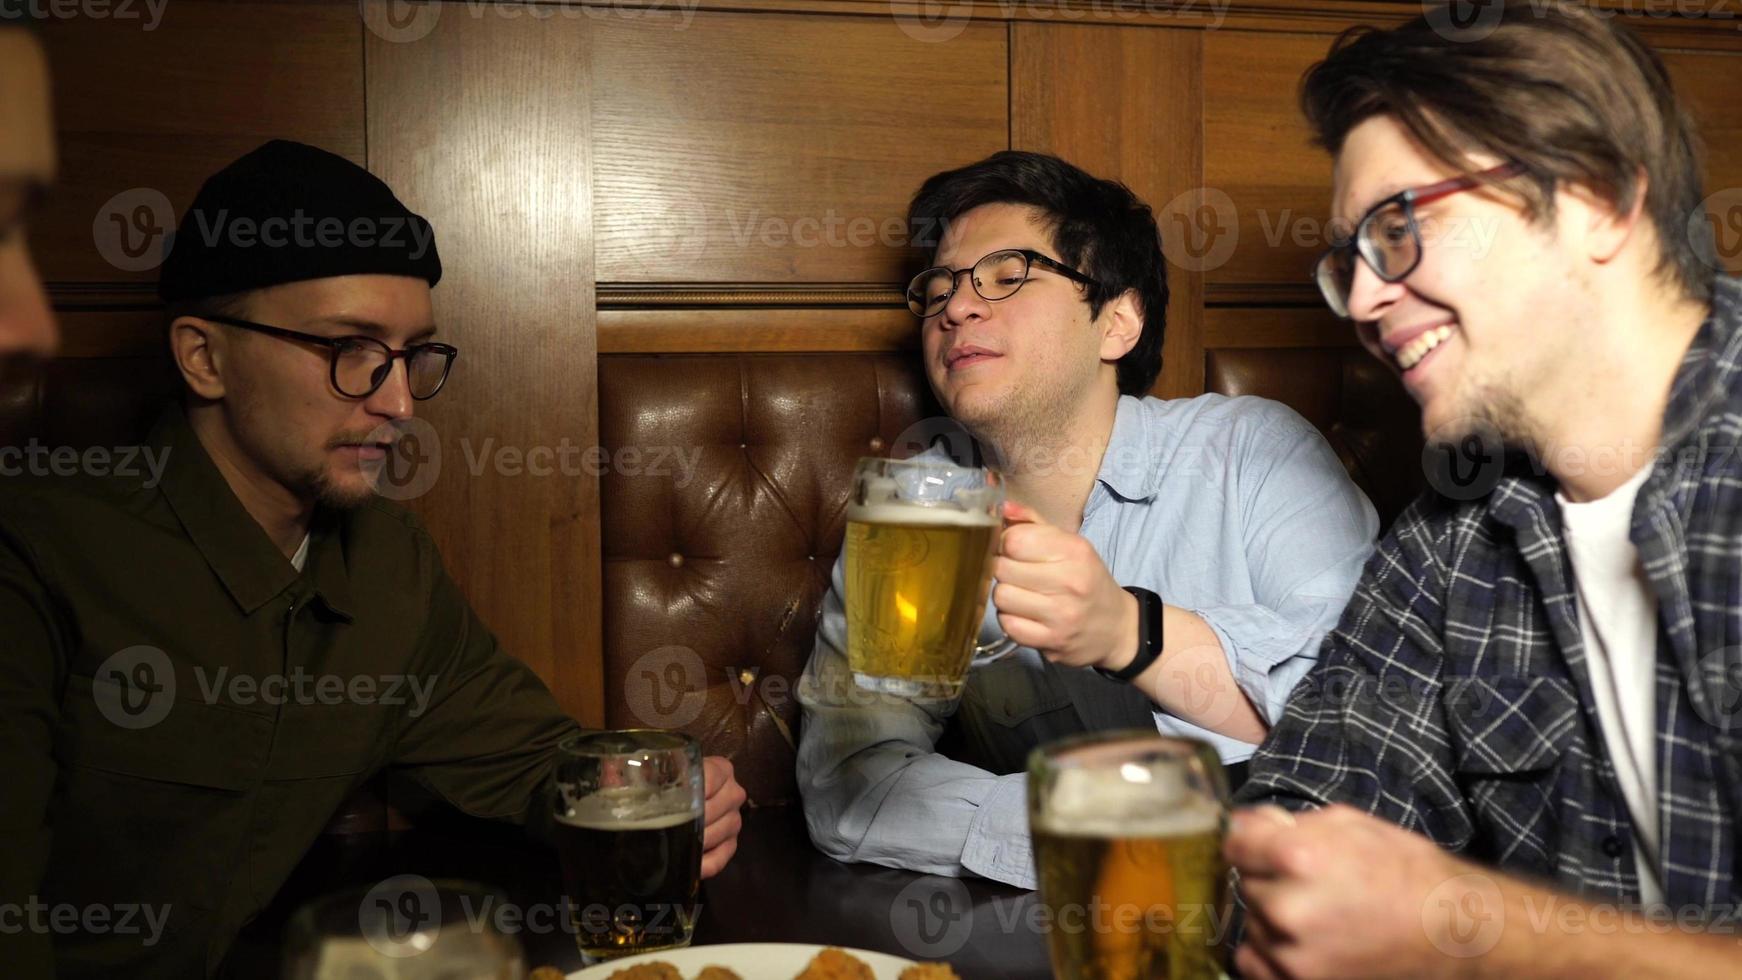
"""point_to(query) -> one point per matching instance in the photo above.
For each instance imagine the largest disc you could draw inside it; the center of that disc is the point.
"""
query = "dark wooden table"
(777, 889)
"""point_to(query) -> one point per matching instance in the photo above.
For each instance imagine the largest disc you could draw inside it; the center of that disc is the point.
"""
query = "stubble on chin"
(333, 494)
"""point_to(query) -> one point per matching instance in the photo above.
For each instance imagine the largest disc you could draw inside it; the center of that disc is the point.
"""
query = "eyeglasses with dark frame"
(360, 365)
(1388, 237)
(997, 275)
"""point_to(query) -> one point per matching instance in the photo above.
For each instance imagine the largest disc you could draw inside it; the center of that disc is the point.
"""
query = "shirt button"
(1612, 846)
(675, 560)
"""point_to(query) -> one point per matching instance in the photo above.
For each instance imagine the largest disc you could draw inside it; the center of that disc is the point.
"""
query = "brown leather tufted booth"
(713, 583)
(85, 401)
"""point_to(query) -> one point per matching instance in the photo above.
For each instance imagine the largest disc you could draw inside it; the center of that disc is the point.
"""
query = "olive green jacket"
(181, 711)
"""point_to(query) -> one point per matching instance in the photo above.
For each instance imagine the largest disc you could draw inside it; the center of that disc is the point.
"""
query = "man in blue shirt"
(1234, 512)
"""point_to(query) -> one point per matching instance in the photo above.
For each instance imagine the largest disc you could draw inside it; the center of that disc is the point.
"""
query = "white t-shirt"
(301, 557)
(1618, 618)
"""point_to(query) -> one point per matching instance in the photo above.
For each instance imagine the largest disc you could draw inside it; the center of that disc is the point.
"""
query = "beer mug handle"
(991, 653)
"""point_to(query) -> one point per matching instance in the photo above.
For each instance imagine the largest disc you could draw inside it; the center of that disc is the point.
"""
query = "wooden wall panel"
(1133, 111)
(163, 109)
(1709, 82)
(1269, 189)
(779, 148)
(483, 126)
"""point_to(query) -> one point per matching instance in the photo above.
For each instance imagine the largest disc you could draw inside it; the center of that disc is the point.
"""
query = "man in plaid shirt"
(1541, 669)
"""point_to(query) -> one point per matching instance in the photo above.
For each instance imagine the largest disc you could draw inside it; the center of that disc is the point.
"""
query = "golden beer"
(1134, 908)
(1127, 833)
(916, 587)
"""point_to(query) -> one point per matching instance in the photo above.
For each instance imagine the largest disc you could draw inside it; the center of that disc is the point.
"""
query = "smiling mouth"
(1412, 353)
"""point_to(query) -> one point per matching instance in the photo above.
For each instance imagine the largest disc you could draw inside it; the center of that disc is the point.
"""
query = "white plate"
(752, 961)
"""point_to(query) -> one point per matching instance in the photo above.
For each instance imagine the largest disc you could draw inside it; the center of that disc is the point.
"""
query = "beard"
(330, 494)
(320, 484)
(1492, 411)
(1021, 420)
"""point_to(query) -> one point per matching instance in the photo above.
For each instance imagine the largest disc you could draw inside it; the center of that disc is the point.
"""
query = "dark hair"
(1098, 227)
(1573, 96)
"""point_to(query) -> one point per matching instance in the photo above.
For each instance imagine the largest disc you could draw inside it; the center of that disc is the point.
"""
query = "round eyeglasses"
(996, 276)
(1388, 237)
(361, 365)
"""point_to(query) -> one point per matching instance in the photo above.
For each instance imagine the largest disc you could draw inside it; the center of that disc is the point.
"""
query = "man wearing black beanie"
(199, 669)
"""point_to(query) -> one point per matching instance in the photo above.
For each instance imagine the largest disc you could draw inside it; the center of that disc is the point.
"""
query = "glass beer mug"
(920, 540)
(1127, 830)
(629, 809)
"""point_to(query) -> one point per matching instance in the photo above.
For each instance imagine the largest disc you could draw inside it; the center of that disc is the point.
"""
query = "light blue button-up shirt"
(1233, 508)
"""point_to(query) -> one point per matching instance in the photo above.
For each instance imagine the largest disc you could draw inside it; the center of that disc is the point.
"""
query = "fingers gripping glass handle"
(991, 653)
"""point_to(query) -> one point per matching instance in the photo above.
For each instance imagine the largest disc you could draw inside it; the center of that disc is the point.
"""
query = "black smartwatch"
(1148, 637)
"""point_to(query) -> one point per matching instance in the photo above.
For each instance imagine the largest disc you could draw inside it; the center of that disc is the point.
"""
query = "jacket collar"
(237, 549)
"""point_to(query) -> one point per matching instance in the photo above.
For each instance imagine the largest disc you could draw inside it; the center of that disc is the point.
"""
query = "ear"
(1606, 228)
(200, 355)
(1121, 325)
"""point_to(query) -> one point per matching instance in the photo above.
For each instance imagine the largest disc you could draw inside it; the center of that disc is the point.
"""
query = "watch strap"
(1148, 636)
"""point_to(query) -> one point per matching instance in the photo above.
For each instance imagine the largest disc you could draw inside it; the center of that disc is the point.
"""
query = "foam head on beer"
(1130, 800)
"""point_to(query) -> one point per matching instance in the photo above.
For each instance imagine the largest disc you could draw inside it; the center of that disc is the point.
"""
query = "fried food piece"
(717, 973)
(547, 973)
(835, 964)
(657, 970)
(929, 971)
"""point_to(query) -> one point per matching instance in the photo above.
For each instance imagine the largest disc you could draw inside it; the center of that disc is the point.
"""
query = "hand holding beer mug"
(629, 808)
(1127, 830)
(920, 540)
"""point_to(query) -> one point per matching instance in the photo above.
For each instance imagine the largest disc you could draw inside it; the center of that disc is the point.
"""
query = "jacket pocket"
(1505, 725)
(156, 813)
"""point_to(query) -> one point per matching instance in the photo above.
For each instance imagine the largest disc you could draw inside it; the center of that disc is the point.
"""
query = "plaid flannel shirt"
(1454, 696)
